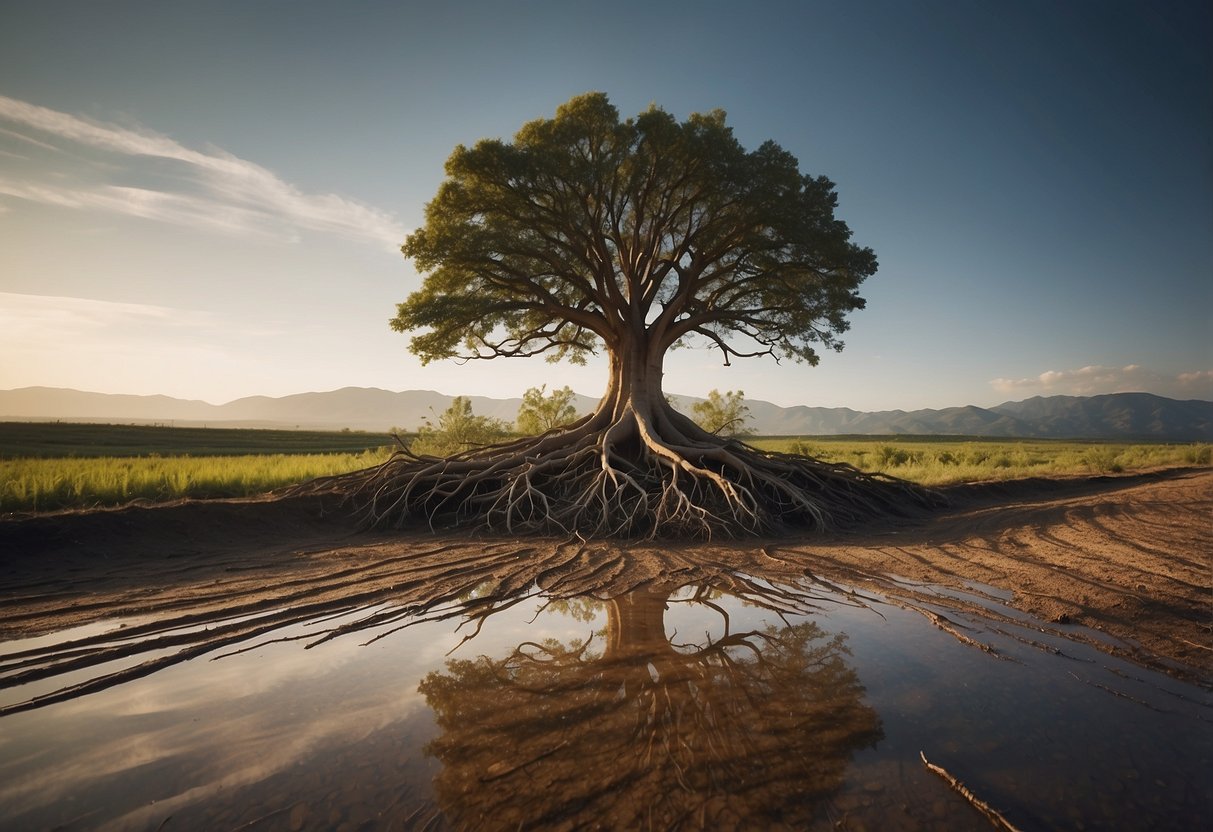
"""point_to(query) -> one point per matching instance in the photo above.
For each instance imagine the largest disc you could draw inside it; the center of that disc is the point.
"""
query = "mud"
(1130, 558)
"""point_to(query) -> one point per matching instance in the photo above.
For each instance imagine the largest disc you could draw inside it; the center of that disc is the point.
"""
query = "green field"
(932, 460)
(72, 439)
(49, 466)
(50, 484)
(54, 465)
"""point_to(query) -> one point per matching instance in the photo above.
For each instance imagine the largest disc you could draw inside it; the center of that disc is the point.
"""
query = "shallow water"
(670, 706)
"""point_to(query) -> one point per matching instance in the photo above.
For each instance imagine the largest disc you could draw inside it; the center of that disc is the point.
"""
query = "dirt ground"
(1130, 556)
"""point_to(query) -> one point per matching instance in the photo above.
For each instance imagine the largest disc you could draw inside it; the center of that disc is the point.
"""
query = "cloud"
(39, 316)
(1204, 377)
(179, 209)
(14, 134)
(212, 188)
(1096, 379)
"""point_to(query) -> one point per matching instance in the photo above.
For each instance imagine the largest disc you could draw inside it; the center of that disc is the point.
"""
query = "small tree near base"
(723, 415)
(458, 430)
(540, 414)
(590, 233)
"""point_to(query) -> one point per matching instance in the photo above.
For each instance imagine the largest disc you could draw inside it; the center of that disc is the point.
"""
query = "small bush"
(539, 413)
(888, 457)
(799, 446)
(1199, 454)
(458, 430)
(1103, 460)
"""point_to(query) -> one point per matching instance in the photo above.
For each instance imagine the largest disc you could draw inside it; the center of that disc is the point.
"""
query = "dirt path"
(1131, 556)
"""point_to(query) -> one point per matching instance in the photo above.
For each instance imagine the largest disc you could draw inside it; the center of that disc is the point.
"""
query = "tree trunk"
(636, 623)
(635, 381)
(634, 405)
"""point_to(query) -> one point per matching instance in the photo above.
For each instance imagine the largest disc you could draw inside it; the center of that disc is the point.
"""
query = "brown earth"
(1130, 556)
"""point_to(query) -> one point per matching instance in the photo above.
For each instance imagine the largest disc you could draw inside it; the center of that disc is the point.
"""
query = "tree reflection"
(748, 729)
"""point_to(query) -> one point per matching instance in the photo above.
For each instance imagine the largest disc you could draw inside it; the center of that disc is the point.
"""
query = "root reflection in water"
(633, 729)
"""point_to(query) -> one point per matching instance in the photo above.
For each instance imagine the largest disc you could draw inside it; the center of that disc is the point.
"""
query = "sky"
(207, 200)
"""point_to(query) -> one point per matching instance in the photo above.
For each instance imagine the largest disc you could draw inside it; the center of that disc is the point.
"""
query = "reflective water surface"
(749, 707)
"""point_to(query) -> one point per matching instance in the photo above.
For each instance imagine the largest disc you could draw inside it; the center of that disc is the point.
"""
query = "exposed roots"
(623, 479)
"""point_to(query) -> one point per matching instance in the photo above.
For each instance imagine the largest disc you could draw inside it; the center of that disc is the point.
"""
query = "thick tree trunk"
(634, 405)
(634, 385)
(636, 623)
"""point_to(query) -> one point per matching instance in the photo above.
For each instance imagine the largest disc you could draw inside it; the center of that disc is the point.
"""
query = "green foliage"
(583, 608)
(1103, 460)
(540, 413)
(723, 415)
(458, 430)
(802, 448)
(1199, 454)
(587, 230)
(887, 456)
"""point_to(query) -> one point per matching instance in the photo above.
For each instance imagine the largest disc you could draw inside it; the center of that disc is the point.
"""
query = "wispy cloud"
(45, 323)
(28, 139)
(180, 209)
(211, 187)
(1096, 379)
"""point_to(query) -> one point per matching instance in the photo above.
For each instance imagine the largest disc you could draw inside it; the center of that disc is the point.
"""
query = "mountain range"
(1113, 416)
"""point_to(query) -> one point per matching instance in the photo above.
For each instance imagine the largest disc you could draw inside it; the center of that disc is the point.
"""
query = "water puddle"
(751, 705)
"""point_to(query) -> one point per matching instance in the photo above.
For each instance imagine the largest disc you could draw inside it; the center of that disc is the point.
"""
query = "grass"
(935, 461)
(49, 466)
(49, 484)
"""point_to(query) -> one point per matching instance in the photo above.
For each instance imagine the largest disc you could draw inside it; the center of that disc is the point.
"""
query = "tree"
(540, 413)
(752, 730)
(458, 429)
(590, 233)
(723, 415)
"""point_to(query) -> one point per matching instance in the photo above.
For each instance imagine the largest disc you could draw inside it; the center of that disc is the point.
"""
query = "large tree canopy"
(588, 233)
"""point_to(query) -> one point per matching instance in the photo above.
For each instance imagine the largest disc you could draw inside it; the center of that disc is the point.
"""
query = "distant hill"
(1114, 416)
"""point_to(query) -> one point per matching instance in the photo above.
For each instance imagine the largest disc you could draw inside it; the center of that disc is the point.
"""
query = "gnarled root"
(622, 478)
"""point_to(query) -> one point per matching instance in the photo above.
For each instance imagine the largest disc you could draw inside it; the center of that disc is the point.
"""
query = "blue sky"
(206, 200)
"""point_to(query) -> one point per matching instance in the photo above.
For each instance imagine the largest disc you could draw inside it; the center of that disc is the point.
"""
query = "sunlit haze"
(207, 200)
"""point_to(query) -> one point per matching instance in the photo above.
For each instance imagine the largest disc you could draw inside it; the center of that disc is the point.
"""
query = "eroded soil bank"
(1130, 556)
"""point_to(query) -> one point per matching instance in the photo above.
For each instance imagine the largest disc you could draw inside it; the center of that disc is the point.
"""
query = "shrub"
(458, 430)
(799, 446)
(723, 415)
(888, 457)
(1199, 454)
(1103, 460)
(539, 413)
